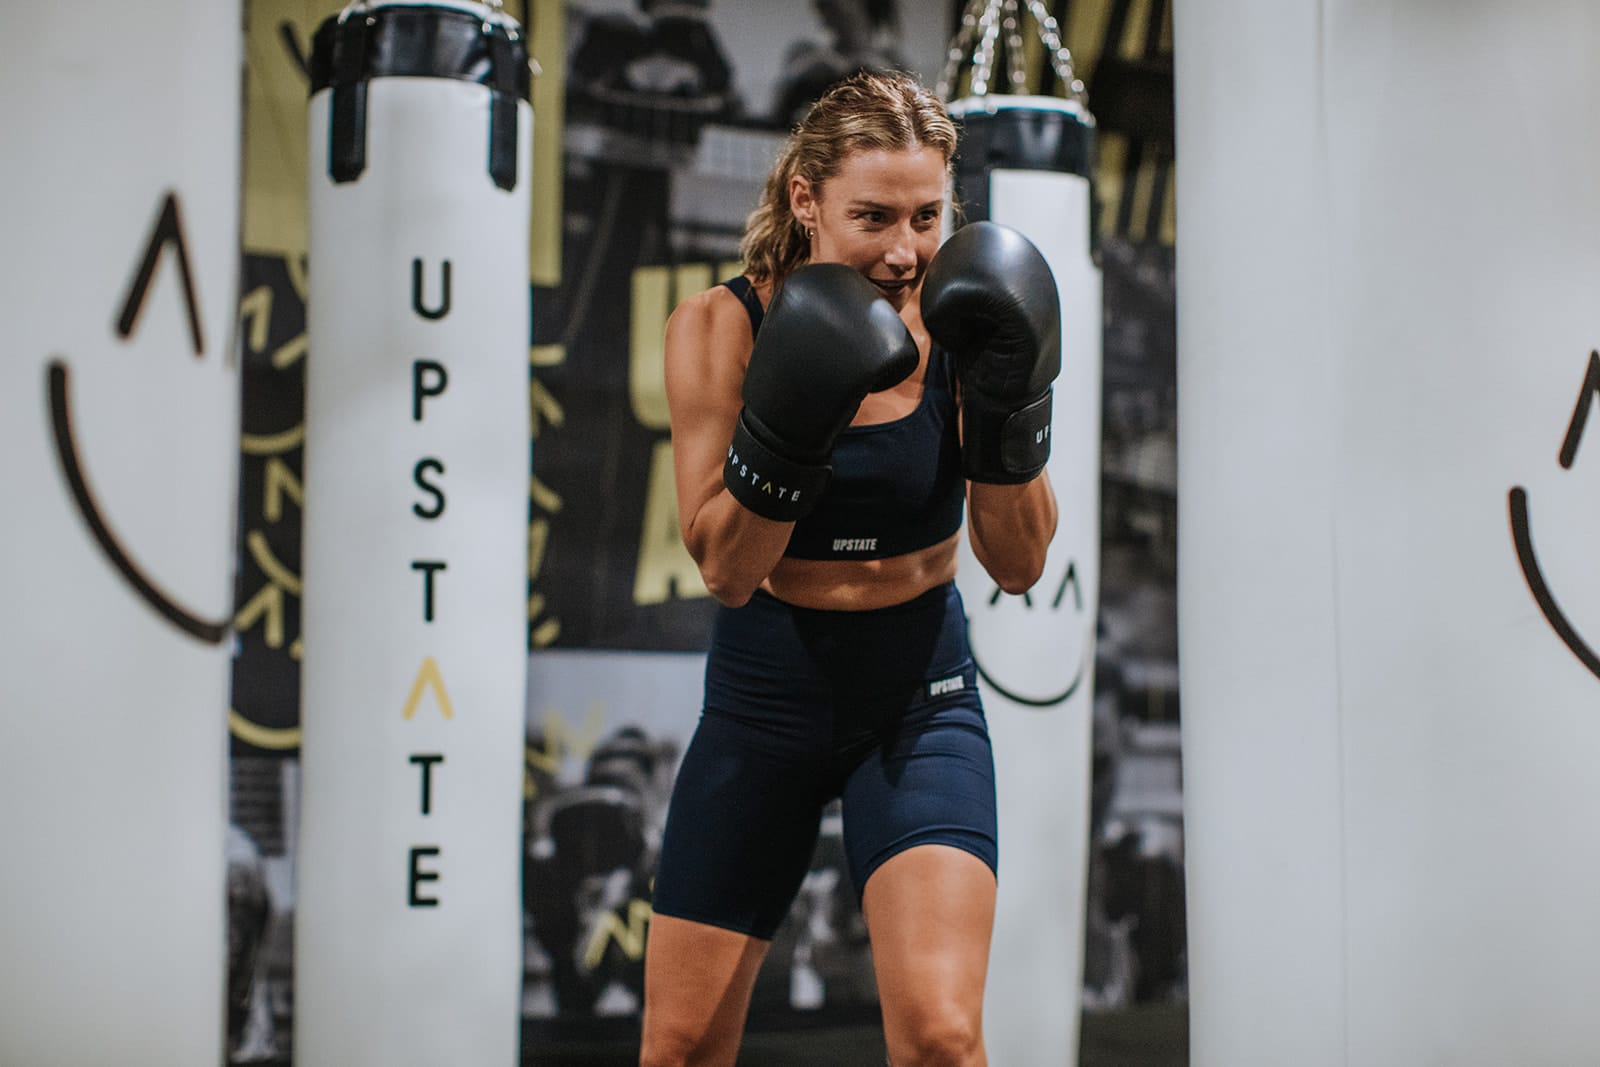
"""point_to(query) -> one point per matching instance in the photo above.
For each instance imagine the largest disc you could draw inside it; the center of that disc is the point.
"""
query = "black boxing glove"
(990, 300)
(827, 341)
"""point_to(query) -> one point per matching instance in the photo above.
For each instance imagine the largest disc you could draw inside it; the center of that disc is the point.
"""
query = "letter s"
(423, 466)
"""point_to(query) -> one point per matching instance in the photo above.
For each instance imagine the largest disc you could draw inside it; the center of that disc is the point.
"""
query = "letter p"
(427, 379)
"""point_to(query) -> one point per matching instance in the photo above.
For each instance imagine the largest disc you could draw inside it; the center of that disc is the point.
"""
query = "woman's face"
(879, 214)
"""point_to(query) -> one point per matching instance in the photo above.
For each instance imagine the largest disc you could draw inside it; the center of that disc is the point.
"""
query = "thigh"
(920, 830)
(741, 828)
(928, 780)
(930, 913)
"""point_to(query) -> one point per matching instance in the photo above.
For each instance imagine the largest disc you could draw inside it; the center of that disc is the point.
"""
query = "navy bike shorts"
(801, 706)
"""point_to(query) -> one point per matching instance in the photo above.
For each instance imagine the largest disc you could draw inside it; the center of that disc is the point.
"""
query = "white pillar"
(1389, 250)
(119, 188)
(409, 927)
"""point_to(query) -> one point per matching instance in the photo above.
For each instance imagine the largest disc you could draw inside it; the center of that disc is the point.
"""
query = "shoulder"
(714, 320)
(708, 306)
(707, 348)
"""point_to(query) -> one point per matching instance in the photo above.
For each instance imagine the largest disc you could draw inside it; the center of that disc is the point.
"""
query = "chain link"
(1060, 56)
(983, 57)
(958, 49)
(981, 25)
(1017, 73)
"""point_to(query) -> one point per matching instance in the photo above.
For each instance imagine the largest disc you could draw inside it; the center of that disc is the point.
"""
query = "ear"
(803, 201)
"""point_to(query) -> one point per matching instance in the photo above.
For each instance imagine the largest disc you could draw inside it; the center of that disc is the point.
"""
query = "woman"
(820, 489)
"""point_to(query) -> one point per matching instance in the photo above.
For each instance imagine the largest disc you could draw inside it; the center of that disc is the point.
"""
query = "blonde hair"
(869, 110)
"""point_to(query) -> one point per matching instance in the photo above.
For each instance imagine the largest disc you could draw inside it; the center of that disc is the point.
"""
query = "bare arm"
(707, 349)
(1010, 527)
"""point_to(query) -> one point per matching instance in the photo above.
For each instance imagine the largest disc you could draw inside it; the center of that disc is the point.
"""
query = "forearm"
(734, 547)
(1011, 527)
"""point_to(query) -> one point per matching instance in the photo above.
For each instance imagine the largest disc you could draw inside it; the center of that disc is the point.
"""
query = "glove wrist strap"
(769, 484)
(1002, 445)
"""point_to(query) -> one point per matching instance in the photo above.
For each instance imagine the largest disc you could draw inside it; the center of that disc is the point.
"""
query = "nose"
(901, 253)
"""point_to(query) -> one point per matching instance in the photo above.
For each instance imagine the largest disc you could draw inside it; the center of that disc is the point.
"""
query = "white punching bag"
(119, 187)
(408, 939)
(1024, 162)
(1389, 242)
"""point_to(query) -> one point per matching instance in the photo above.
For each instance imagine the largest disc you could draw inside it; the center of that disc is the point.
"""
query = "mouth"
(892, 288)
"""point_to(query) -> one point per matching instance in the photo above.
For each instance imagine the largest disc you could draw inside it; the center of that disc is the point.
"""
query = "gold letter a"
(428, 674)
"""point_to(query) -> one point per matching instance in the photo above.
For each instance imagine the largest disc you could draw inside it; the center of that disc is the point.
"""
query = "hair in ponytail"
(869, 110)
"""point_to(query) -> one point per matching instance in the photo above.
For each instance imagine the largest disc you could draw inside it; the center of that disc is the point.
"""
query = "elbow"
(733, 563)
(1016, 586)
(729, 594)
(727, 587)
(1015, 566)
(1018, 576)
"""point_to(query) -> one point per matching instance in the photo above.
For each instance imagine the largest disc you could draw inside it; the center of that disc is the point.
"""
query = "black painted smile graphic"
(1070, 579)
(1522, 536)
(1026, 701)
(1540, 588)
(67, 452)
(167, 232)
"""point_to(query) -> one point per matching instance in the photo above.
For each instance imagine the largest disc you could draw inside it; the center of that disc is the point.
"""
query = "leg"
(697, 984)
(920, 829)
(930, 910)
(740, 831)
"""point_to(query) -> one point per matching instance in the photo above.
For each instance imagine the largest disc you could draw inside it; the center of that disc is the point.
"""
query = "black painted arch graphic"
(1522, 536)
(59, 388)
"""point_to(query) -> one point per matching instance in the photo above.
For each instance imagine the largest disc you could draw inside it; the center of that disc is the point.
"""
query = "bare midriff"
(862, 585)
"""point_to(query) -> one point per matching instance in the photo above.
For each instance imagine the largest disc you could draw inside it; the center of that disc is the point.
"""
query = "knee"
(671, 1047)
(949, 1039)
(659, 1050)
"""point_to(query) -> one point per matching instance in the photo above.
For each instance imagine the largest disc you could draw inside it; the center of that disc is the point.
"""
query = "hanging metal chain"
(981, 25)
(1017, 74)
(1060, 56)
(983, 57)
(958, 48)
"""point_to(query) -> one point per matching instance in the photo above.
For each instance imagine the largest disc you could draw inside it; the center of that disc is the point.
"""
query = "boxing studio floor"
(404, 620)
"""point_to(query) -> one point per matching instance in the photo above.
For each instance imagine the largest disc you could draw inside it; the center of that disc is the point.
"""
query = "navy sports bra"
(897, 485)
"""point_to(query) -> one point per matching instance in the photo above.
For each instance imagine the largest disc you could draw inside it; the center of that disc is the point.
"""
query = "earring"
(810, 234)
